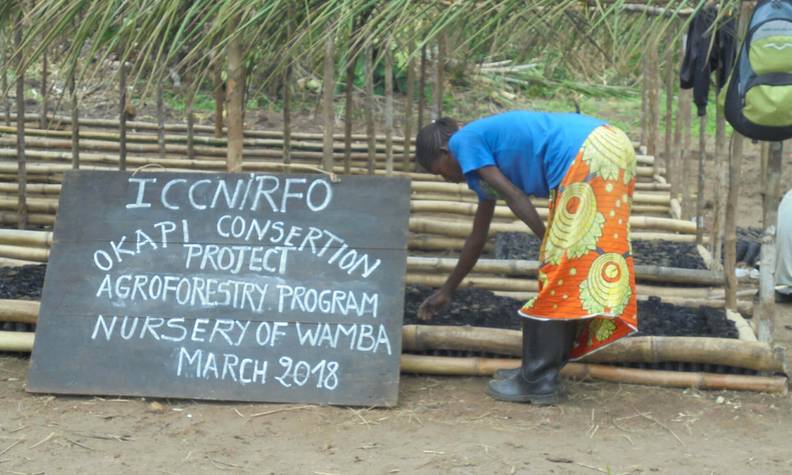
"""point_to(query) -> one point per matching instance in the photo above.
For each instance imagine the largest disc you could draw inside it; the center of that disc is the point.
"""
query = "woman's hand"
(434, 304)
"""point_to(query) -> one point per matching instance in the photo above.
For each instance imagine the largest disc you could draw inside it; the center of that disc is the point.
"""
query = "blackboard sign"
(249, 287)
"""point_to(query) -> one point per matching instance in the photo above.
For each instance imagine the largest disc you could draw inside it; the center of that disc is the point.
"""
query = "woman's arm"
(471, 251)
(517, 200)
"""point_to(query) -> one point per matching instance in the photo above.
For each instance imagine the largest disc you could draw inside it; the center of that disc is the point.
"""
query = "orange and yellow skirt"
(586, 270)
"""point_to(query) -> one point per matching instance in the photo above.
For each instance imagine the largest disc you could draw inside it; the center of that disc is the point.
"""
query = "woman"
(586, 296)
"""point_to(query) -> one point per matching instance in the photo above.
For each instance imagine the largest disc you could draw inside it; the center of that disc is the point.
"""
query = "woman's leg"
(546, 347)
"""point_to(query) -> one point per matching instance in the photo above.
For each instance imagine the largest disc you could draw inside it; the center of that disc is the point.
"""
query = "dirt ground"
(442, 425)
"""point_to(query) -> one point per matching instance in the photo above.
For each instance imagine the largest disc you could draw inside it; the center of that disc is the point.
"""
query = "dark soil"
(21, 283)
(661, 253)
(482, 308)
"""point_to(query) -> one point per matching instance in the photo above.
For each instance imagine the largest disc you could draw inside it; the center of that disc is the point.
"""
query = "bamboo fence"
(474, 366)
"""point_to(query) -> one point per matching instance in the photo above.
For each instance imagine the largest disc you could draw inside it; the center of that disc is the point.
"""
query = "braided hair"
(432, 138)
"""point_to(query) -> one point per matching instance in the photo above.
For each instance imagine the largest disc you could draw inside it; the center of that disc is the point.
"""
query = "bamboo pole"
(442, 365)
(160, 119)
(528, 287)
(421, 92)
(235, 91)
(32, 188)
(764, 313)
(653, 110)
(716, 235)
(12, 219)
(16, 342)
(730, 232)
(109, 142)
(763, 178)
(24, 253)
(439, 243)
(219, 94)
(675, 171)
(348, 107)
(75, 125)
(208, 129)
(408, 105)
(462, 229)
(439, 83)
(527, 268)
(190, 123)
(122, 103)
(686, 114)
(328, 85)
(21, 311)
(757, 356)
(645, 73)
(669, 96)
(700, 187)
(744, 307)
(461, 189)
(744, 330)
(7, 262)
(369, 105)
(44, 91)
(469, 209)
(25, 238)
(4, 78)
(388, 108)
(22, 210)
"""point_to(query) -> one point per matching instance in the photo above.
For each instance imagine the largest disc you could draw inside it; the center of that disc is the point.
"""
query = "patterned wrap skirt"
(586, 266)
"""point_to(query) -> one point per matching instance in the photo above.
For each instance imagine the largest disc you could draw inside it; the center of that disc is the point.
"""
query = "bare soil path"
(442, 425)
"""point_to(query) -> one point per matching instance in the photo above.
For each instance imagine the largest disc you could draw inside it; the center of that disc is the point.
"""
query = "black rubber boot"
(546, 347)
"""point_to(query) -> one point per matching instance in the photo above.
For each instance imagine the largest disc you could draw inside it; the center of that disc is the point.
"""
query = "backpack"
(758, 101)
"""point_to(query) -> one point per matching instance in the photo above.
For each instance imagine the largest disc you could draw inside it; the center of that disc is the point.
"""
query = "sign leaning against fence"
(248, 287)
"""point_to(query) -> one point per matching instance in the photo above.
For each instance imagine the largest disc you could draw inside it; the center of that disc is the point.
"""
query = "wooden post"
(763, 179)
(328, 84)
(4, 74)
(653, 109)
(676, 167)
(388, 109)
(408, 106)
(22, 211)
(644, 98)
(235, 91)
(686, 113)
(349, 104)
(764, 312)
(75, 121)
(44, 91)
(421, 91)
(735, 170)
(219, 96)
(437, 94)
(190, 122)
(730, 232)
(669, 113)
(700, 188)
(287, 78)
(160, 118)
(369, 109)
(122, 100)
(716, 236)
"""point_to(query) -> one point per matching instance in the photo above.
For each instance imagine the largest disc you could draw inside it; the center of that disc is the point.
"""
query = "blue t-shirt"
(532, 149)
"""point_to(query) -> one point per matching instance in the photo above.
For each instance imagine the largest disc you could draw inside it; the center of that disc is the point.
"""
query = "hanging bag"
(758, 101)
